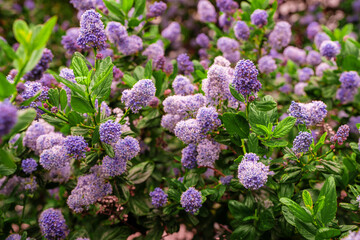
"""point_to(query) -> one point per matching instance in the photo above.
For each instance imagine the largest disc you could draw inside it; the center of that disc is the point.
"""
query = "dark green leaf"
(266, 104)
(284, 127)
(81, 105)
(6, 88)
(139, 7)
(246, 232)
(63, 99)
(235, 94)
(73, 86)
(43, 35)
(307, 230)
(7, 164)
(296, 209)
(138, 206)
(276, 143)
(129, 80)
(327, 233)
(109, 150)
(25, 118)
(54, 97)
(239, 210)
(148, 70)
(140, 172)
(75, 118)
(328, 190)
(266, 220)
(236, 125)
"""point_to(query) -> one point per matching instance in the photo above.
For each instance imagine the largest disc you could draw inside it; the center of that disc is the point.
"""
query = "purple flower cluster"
(208, 119)
(188, 131)
(88, 190)
(302, 142)
(8, 117)
(127, 148)
(29, 165)
(241, 30)
(172, 32)
(309, 113)
(182, 86)
(350, 82)
(252, 173)
(69, 41)
(281, 35)
(110, 132)
(208, 152)
(139, 96)
(189, 154)
(185, 65)
(267, 64)
(36, 129)
(155, 50)
(202, 40)
(245, 78)
(341, 135)
(156, 9)
(226, 180)
(30, 184)
(321, 68)
(14, 236)
(230, 48)
(227, 6)
(295, 54)
(52, 224)
(54, 158)
(113, 166)
(329, 49)
(83, 5)
(304, 74)
(313, 58)
(320, 38)
(48, 140)
(259, 17)
(206, 11)
(191, 200)
(130, 45)
(115, 32)
(92, 31)
(312, 29)
(158, 197)
(41, 67)
(75, 146)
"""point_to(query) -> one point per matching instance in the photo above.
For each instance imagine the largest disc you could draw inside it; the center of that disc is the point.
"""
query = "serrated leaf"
(297, 210)
(141, 172)
(235, 94)
(284, 127)
(328, 212)
(236, 125)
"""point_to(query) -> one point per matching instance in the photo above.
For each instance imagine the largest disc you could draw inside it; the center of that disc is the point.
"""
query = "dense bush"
(180, 120)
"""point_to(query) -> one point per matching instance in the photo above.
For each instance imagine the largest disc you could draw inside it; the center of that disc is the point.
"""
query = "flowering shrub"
(179, 120)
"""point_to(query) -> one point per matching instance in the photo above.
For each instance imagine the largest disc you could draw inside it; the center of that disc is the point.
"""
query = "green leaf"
(266, 104)
(246, 232)
(284, 127)
(25, 118)
(307, 230)
(43, 35)
(139, 7)
(115, 10)
(79, 67)
(129, 80)
(27, 102)
(328, 190)
(9, 51)
(6, 88)
(138, 207)
(235, 94)
(54, 97)
(75, 118)
(63, 99)
(307, 200)
(148, 70)
(320, 143)
(140, 172)
(34, 59)
(319, 205)
(77, 54)
(266, 220)
(73, 86)
(239, 210)
(291, 177)
(81, 105)
(114, 233)
(296, 209)
(236, 125)
(289, 217)
(327, 233)
(109, 150)
(7, 164)
(103, 83)
(126, 5)
(253, 143)
(276, 143)
(22, 33)
(159, 82)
